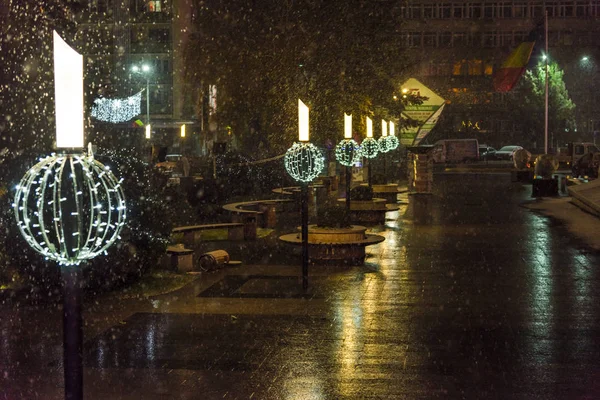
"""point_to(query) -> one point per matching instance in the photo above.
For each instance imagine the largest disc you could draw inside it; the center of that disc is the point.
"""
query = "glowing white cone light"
(183, 130)
(68, 94)
(347, 126)
(303, 134)
(369, 127)
(383, 128)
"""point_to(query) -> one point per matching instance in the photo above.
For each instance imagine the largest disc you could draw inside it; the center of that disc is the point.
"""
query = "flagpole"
(546, 86)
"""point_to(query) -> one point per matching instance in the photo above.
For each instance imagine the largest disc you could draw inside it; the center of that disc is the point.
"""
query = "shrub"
(361, 193)
(333, 217)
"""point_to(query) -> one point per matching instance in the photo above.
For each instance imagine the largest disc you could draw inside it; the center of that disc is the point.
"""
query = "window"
(160, 35)
(474, 10)
(506, 10)
(429, 39)
(581, 9)
(475, 67)
(567, 10)
(414, 39)
(154, 6)
(489, 39)
(488, 10)
(445, 39)
(445, 11)
(459, 39)
(458, 11)
(520, 10)
(428, 11)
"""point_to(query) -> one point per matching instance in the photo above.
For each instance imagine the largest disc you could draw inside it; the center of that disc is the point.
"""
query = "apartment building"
(456, 46)
(117, 35)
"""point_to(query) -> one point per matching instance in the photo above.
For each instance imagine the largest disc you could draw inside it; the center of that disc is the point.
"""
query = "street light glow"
(145, 68)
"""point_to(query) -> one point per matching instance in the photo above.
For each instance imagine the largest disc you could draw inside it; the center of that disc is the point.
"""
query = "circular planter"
(337, 245)
(369, 211)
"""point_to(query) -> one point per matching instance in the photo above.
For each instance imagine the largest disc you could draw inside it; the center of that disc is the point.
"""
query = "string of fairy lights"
(118, 109)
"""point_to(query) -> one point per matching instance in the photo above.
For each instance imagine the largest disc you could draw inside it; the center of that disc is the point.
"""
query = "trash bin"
(213, 260)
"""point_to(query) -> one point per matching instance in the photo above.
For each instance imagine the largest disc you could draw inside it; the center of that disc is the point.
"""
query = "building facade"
(456, 46)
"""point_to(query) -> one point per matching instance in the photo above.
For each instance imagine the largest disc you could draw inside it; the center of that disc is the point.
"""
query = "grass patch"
(156, 283)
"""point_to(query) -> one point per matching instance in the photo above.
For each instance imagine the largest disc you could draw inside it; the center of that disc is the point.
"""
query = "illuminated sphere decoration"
(304, 161)
(369, 147)
(392, 142)
(383, 144)
(347, 152)
(70, 208)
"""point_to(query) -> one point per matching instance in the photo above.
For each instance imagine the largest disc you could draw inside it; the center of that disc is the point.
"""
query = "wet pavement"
(471, 295)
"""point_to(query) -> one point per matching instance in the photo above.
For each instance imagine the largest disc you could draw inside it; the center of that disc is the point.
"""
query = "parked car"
(505, 153)
(485, 152)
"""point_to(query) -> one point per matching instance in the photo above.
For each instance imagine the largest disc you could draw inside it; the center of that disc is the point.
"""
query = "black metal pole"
(304, 207)
(348, 184)
(384, 168)
(72, 334)
(369, 166)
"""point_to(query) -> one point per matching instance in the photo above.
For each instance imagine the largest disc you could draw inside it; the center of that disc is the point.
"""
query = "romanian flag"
(513, 67)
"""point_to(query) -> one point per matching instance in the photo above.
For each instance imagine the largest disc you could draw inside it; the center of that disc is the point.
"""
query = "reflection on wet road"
(470, 296)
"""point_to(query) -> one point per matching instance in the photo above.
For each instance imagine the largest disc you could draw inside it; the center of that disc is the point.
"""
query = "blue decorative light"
(304, 161)
(369, 147)
(347, 152)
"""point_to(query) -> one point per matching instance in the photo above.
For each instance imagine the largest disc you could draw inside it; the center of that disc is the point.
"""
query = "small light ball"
(70, 208)
(383, 144)
(393, 142)
(347, 152)
(369, 147)
(304, 161)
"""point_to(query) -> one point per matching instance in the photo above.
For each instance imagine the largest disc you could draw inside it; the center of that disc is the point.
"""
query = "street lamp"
(304, 162)
(145, 70)
(370, 147)
(347, 153)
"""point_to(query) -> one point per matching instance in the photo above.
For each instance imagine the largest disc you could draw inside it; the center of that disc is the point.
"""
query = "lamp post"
(384, 146)
(369, 147)
(347, 153)
(145, 70)
(304, 162)
(69, 207)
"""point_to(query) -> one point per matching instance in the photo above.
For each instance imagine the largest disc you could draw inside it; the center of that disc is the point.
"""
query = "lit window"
(154, 6)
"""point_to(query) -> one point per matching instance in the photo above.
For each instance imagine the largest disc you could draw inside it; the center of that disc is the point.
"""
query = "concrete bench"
(250, 212)
(181, 259)
(235, 231)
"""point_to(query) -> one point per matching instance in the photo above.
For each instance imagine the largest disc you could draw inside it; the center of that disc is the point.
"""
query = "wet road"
(470, 296)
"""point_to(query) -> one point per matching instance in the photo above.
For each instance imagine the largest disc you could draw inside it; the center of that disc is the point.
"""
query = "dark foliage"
(361, 193)
(333, 217)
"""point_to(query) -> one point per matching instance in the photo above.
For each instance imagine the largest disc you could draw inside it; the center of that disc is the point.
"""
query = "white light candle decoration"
(303, 134)
(183, 130)
(347, 126)
(148, 131)
(383, 128)
(392, 129)
(369, 128)
(68, 94)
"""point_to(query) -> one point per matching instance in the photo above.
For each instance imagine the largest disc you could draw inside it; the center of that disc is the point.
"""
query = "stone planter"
(369, 211)
(335, 245)
(389, 192)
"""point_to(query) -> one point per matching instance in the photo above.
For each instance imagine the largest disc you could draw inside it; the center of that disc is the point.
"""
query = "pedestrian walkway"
(471, 296)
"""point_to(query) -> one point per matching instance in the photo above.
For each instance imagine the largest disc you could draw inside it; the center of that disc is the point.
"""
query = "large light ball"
(392, 142)
(347, 152)
(70, 208)
(304, 161)
(369, 147)
(383, 144)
